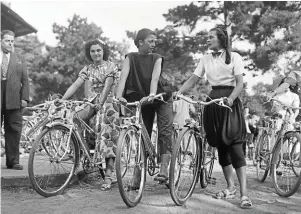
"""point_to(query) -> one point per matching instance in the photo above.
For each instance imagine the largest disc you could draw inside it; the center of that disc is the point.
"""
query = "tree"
(31, 49)
(256, 22)
(60, 66)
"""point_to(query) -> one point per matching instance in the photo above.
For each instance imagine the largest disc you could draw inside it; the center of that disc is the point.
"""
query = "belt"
(222, 87)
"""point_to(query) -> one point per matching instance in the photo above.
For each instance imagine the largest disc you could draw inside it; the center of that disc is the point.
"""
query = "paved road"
(90, 199)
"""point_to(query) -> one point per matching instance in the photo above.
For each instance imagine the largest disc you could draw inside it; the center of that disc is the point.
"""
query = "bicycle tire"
(32, 177)
(205, 174)
(262, 173)
(292, 157)
(173, 181)
(274, 167)
(120, 172)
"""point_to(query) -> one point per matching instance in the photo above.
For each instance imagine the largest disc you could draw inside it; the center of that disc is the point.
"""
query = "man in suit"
(14, 97)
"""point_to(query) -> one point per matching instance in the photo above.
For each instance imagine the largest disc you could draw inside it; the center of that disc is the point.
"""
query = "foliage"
(255, 22)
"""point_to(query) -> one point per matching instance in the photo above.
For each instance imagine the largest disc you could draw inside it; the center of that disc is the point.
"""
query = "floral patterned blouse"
(97, 75)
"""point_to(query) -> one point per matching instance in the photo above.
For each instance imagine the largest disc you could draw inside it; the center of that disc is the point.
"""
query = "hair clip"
(102, 42)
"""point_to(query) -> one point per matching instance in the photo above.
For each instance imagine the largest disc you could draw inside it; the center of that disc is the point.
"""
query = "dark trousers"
(12, 120)
(164, 122)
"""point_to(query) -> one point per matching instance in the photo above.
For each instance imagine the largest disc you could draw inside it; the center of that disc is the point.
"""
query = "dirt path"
(89, 199)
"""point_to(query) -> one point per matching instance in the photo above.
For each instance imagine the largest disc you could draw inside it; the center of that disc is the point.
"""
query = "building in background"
(10, 20)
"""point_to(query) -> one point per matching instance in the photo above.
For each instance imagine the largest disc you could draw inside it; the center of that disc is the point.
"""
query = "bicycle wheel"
(295, 157)
(208, 157)
(285, 181)
(25, 141)
(50, 166)
(184, 166)
(263, 157)
(130, 166)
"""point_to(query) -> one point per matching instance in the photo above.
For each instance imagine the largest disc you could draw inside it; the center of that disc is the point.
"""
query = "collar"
(218, 53)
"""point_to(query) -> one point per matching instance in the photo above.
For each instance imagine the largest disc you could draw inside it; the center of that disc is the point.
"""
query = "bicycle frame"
(283, 131)
(139, 124)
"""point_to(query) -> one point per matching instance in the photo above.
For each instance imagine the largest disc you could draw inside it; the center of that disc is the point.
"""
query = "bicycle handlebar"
(281, 103)
(144, 99)
(218, 101)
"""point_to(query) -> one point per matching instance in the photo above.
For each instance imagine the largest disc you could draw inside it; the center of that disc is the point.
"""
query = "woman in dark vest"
(224, 129)
(139, 78)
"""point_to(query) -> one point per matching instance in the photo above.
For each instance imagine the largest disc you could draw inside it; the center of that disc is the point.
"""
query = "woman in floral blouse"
(101, 76)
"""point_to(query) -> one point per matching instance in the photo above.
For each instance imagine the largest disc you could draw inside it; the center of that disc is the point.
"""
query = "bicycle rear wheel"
(285, 181)
(263, 157)
(208, 158)
(50, 166)
(184, 166)
(130, 166)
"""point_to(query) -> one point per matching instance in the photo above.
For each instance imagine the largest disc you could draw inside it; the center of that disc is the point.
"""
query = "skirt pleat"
(221, 125)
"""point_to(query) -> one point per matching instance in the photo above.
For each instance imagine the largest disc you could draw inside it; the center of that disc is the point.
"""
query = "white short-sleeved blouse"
(217, 71)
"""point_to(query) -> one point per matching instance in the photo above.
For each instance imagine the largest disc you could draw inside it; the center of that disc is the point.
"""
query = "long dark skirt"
(221, 125)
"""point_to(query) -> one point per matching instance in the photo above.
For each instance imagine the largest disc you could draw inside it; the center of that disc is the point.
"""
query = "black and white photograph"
(163, 106)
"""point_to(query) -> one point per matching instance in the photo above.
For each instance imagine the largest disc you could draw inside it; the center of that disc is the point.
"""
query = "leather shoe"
(16, 167)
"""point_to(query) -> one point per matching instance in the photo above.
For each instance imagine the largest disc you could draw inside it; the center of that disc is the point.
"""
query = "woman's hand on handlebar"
(228, 101)
(122, 100)
(175, 95)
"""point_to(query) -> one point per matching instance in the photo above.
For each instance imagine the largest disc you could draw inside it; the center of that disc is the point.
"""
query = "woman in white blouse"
(290, 98)
(225, 130)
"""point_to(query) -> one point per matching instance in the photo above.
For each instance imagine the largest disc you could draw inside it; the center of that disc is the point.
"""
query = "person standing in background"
(14, 97)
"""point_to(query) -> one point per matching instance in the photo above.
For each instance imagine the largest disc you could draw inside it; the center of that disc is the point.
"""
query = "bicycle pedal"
(212, 182)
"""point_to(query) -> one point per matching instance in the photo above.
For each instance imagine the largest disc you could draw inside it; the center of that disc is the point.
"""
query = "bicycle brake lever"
(221, 103)
(162, 99)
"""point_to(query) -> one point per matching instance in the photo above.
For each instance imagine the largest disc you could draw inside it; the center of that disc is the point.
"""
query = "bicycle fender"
(50, 124)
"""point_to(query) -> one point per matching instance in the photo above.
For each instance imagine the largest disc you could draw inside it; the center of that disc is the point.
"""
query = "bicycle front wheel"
(184, 166)
(295, 157)
(130, 166)
(53, 160)
(263, 157)
(285, 181)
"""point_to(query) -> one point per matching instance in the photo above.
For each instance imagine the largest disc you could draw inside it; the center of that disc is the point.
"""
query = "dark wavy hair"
(223, 38)
(103, 45)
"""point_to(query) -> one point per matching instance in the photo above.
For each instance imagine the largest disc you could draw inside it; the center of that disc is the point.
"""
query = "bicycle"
(191, 152)
(135, 154)
(43, 114)
(281, 161)
(267, 134)
(63, 142)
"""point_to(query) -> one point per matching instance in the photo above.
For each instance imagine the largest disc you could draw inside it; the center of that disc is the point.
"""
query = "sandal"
(161, 178)
(106, 186)
(245, 202)
(226, 194)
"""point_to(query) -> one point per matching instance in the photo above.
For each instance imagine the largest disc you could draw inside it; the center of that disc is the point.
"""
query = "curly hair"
(103, 45)
(223, 38)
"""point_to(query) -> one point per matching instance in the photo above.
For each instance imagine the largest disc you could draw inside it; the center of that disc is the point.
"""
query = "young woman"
(293, 81)
(290, 98)
(139, 78)
(101, 77)
(225, 130)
